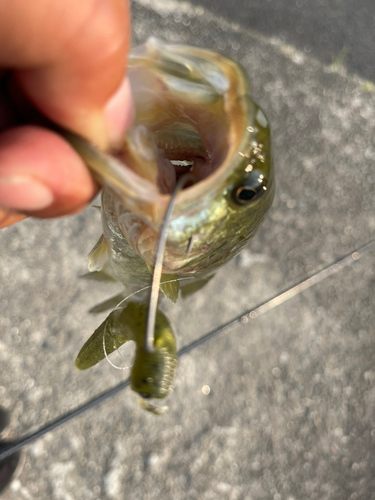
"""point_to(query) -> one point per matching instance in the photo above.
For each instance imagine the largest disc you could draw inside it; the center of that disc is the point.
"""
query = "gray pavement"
(290, 414)
(323, 28)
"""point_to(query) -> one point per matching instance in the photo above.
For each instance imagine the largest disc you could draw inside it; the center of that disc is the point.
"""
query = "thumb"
(69, 58)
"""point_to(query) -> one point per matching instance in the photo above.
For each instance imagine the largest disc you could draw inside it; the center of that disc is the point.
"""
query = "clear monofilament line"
(158, 269)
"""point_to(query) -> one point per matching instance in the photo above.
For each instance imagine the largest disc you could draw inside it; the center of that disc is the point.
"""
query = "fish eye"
(250, 190)
(244, 194)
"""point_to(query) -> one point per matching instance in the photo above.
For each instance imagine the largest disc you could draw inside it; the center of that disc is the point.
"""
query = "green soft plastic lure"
(152, 373)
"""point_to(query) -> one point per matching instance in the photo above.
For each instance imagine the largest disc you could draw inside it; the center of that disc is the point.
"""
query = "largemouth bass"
(193, 114)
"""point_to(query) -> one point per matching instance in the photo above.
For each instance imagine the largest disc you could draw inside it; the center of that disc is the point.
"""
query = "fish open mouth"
(182, 145)
(193, 114)
(163, 152)
(188, 115)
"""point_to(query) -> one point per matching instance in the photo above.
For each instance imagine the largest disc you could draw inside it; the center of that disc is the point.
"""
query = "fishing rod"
(9, 448)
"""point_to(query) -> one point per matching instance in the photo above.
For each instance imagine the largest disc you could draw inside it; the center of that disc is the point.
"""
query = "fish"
(193, 114)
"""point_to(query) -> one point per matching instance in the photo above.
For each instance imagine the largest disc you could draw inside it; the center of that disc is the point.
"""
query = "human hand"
(68, 59)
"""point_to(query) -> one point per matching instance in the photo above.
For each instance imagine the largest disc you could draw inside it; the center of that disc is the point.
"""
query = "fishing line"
(105, 350)
(8, 448)
(158, 268)
(282, 297)
(119, 307)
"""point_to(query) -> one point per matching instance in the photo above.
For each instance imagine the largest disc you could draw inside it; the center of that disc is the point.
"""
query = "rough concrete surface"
(290, 413)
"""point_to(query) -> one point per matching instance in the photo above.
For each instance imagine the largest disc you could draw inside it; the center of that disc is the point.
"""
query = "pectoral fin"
(171, 289)
(98, 255)
(168, 285)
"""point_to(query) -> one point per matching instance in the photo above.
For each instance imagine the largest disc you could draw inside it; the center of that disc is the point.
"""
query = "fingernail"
(119, 112)
(24, 194)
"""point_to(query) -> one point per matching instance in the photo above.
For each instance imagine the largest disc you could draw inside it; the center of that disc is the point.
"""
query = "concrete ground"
(290, 413)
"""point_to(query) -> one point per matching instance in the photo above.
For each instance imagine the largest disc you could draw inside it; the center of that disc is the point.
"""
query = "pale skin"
(68, 59)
